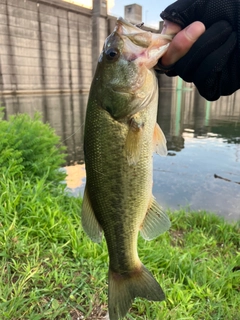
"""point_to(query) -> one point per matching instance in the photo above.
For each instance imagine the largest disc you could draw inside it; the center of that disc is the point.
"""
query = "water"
(202, 169)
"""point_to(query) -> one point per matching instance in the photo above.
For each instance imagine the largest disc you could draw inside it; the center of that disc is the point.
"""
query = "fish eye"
(112, 54)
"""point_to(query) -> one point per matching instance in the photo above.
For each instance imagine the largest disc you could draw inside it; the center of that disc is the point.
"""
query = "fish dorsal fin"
(155, 222)
(134, 140)
(159, 141)
(89, 221)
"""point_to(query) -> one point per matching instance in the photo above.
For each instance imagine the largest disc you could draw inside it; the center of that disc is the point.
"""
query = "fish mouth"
(123, 27)
(139, 44)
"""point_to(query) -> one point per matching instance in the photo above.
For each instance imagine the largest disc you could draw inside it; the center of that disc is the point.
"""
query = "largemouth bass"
(120, 137)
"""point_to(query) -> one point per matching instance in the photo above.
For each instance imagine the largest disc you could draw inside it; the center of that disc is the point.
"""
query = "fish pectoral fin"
(134, 140)
(89, 222)
(155, 222)
(159, 141)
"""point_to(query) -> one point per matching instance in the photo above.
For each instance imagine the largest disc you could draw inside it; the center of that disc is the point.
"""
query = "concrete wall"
(50, 45)
(47, 45)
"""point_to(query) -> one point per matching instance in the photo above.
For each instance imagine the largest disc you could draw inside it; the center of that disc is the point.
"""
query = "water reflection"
(204, 137)
(181, 110)
(202, 168)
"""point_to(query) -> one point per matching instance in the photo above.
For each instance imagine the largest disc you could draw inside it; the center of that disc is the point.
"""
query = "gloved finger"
(213, 77)
(184, 12)
(211, 40)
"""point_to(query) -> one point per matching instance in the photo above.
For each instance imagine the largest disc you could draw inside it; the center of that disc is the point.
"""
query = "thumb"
(182, 42)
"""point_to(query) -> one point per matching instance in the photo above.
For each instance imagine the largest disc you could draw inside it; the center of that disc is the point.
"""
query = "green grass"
(49, 269)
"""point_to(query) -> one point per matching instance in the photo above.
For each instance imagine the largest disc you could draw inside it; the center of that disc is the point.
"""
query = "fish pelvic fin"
(123, 288)
(159, 141)
(155, 222)
(134, 140)
(89, 222)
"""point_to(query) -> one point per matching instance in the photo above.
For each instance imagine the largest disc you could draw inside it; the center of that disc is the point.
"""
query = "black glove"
(213, 62)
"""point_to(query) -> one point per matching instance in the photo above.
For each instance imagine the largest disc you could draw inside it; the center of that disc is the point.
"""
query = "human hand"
(182, 42)
(212, 62)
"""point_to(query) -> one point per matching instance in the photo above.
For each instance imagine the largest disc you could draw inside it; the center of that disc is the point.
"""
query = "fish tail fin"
(122, 289)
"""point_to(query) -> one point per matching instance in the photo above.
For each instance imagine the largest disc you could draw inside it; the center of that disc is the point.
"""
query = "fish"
(120, 136)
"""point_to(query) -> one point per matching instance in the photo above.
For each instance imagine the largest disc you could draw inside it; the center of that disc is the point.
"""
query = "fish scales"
(120, 137)
(124, 192)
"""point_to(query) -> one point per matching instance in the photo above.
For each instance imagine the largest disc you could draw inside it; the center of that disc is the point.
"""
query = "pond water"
(202, 169)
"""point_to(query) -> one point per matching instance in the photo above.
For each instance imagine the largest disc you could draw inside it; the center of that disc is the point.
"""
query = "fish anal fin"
(123, 288)
(155, 222)
(134, 140)
(159, 141)
(89, 222)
